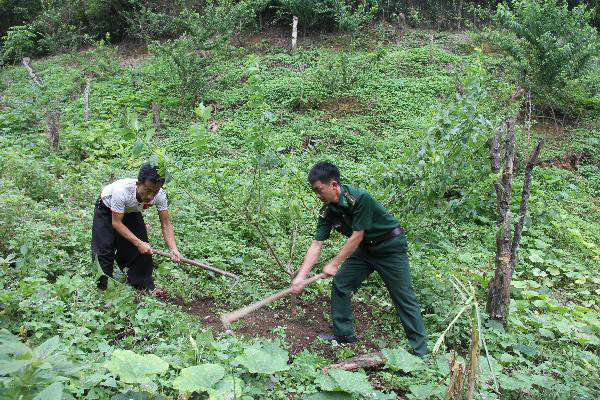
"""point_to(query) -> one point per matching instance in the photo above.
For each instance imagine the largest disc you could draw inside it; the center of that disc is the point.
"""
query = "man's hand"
(176, 256)
(330, 269)
(297, 284)
(144, 248)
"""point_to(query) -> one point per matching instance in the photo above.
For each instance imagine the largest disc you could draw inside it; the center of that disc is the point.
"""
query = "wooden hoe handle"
(198, 264)
(228, 318)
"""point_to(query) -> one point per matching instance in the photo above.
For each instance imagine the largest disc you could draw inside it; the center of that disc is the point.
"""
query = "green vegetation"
(241, 122)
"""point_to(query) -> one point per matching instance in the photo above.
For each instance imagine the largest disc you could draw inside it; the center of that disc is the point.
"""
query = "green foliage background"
(388, 113)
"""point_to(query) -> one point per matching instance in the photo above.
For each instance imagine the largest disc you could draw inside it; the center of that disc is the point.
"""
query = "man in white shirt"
(119, 232)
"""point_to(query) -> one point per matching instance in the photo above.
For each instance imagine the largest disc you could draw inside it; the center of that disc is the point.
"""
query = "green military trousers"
(390, 260)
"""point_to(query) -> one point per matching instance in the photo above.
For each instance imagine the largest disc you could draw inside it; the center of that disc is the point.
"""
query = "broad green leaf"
(535, 257)
(328, 396)
(47, 348)
(268, 360)
(153, 160)
(135, 368)
(546, 333)
(199, 378)
(11, 344)
(402, 360)
(351, 382)
(8, 367)
(327, 383)
(132, 119)
(228, 388)
(519, 284)
(553, 271)
(514, 383)
(538, 272)
(428, 391)
(138, 146)
(52, 392)
(131, 395)
(530, 351)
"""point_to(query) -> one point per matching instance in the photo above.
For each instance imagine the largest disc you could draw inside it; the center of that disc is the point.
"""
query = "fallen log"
(368, 360)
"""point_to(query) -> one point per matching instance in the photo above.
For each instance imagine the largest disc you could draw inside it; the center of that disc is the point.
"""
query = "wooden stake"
(86, 100)
(294, 32)
(227, 319)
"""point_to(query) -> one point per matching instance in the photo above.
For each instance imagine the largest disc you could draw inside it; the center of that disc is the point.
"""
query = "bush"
(18, 42)
(551, 43)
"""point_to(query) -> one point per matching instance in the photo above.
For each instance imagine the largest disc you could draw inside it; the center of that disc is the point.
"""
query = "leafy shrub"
(551, 43)
(58, 32)
(32, 373)
(18, 42)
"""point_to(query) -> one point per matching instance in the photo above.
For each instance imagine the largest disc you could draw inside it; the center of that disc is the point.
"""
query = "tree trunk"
(498, 295)
(53, 127)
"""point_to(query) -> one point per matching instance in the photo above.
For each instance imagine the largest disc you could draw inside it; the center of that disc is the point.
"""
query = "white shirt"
(120, 196)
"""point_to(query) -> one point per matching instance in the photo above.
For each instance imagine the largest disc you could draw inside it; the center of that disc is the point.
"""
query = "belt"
(386, 236)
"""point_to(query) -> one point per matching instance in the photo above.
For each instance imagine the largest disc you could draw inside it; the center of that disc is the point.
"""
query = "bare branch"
(266, 240)
(524, 201)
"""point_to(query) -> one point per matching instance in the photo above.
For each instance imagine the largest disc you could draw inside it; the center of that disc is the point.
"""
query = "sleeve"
(323, 229)
(160, 201)
(117, 201)
(362, 218)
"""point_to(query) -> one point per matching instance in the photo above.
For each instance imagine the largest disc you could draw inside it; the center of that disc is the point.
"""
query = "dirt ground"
(300, 332)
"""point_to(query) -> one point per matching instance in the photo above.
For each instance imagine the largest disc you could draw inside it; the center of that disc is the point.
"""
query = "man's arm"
(310, 259)
(349, 247)
(169, 234)
(117, 224)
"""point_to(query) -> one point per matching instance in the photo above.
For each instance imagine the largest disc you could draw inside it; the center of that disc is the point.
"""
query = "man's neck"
(338, 194)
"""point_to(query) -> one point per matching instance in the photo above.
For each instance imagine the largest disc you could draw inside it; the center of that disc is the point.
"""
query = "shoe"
(338, 338)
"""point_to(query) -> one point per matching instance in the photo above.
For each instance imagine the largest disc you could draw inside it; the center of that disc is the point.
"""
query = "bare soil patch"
(341, 105)
(300, 332)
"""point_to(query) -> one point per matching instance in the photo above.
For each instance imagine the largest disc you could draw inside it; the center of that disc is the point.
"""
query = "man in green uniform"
(376, 242)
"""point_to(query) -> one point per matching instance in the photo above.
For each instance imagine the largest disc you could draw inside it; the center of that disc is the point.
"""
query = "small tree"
(507, 242)
(551, 43)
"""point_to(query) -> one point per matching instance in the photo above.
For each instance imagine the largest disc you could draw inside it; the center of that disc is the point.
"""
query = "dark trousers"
(108, 246)
(390, 260)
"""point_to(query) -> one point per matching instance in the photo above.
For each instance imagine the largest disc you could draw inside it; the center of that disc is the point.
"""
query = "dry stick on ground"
(52, 117)
(498, 296)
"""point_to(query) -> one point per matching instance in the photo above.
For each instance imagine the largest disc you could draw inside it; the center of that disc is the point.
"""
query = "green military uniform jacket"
(356, 210)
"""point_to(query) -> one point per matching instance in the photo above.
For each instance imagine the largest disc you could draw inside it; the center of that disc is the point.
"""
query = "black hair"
(325, 172)
(149, 172)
